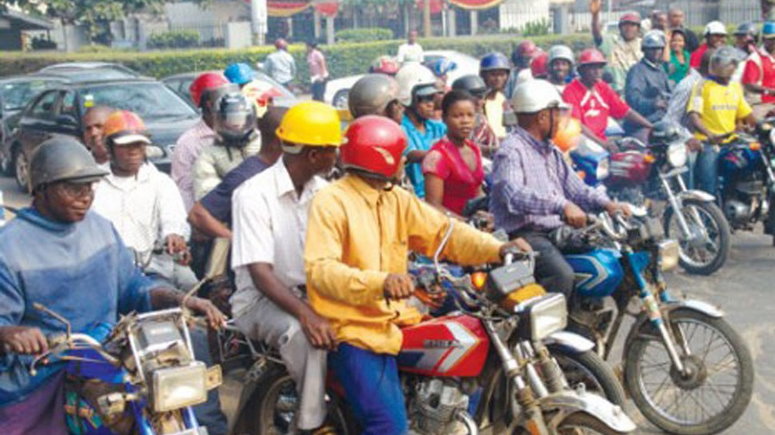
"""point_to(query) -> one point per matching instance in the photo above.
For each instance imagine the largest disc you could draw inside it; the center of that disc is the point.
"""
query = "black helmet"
(473, 84)
(747, 29)
(664, 132)
(371, 95)
(235, 119)
(63, 159)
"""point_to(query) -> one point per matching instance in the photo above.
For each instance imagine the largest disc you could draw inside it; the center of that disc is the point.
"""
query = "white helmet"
(536, 95)
(715, 28)
(411, 76)
(561, 52)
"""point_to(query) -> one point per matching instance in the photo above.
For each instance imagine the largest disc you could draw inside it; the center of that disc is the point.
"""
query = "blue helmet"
(239, 73)
(441, 67)
(768, 31)
(494, 61)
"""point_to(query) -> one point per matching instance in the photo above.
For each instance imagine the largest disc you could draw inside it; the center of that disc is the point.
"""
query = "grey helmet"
(724, 60)
(653, 39)
(63, 159)
(561, 52)
(473, 84)
(371, 95)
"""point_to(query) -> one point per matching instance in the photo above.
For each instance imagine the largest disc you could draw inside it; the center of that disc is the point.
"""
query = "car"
(59, 111)
(15, 93)
(338, 89)
(181, 82)
(92, 69)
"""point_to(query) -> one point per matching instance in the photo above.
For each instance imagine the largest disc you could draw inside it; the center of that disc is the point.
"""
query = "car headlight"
(676, 155)
(602, 171)
(178, 387)
(154, 152)
(547, 315)
(669, 252)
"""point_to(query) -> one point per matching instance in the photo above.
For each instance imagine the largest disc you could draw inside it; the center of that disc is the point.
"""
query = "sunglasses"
(76, 190)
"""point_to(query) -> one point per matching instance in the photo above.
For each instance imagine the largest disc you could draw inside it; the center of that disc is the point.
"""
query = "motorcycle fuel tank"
(598, 273)
(447, 346)
(629, 168)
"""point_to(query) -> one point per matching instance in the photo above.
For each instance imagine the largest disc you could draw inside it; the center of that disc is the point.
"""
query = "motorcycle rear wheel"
(590, 369)
(690, 326)
(714, 223)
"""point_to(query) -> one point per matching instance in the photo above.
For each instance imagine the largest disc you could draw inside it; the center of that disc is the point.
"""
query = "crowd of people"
(320, 220)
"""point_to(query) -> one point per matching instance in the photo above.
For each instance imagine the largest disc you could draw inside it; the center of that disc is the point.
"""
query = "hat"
(715, 28)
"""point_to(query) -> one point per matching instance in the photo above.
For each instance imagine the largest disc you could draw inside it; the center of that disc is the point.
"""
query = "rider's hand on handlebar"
(175, 244)
(574, 215)
(318, 330)
(694, 145)
(215, 318)
(613, 208)
(398, 286)
(23, 340)
(519, 244)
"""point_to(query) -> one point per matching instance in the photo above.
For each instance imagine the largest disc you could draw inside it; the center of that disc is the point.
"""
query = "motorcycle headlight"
(546, 315)
(603, 169)
(669, 252)
(676, 155)
(178, 387)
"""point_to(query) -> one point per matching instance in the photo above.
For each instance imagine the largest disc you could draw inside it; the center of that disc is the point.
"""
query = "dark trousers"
(208, 414)
(551, 271)
(319, 90)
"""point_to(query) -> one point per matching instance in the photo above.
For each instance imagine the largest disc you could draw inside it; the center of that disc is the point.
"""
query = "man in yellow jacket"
(359, 234)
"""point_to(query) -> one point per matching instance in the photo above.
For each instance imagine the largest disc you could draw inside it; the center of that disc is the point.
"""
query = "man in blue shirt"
(417, 91)
(61, 255)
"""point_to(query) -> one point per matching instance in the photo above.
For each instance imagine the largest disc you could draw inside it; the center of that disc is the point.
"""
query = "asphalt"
(744, 289)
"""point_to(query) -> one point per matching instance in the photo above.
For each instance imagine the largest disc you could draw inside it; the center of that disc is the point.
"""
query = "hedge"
(344, 59)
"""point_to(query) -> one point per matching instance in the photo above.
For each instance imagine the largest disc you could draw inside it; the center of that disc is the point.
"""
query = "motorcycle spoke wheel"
(278, 417)
(705, 248)
(708, 400)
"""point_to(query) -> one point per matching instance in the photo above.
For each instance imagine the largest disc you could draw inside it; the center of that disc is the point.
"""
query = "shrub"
(40, 43)
(537, 28)
(174, 39)
(364, 35)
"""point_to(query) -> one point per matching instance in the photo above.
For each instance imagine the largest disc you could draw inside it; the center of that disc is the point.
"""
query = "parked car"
(338, 89)
(15, 93)
(92, 70)
(181, 82)
(59, 111)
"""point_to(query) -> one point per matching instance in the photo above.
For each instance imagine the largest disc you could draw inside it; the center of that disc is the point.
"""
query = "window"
(18, 93)
(45, 106)
(68, 105)
(152, 101)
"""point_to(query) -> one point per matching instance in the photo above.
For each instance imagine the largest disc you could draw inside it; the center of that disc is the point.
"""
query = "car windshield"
(152, 101)
(16, 95)
(91, 75)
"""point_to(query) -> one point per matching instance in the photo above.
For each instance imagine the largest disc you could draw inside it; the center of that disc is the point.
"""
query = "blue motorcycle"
(684, 366)
(138, 376)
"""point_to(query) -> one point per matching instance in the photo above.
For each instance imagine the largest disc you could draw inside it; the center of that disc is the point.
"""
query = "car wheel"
(21, 170)
(340, 98)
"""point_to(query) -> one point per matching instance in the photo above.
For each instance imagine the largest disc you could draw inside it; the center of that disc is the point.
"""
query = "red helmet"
(591, 56)
(630, 18)
(527, 49)
(373, 144)
(539, 66)
(204, 82)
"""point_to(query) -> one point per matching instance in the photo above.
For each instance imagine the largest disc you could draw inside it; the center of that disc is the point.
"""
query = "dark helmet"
(664, 132)
(747, 29)
(235, 119)
(63, 159)
(371, 94)
(653, 39)
(472, 84)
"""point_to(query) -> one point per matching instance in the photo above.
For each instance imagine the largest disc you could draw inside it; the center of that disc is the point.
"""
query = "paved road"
(744, 288)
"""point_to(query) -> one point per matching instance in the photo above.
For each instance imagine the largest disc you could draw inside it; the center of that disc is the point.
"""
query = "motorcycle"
(677, 353)
(747, 188)
(138, 376)
(643, 174)
(482, 369)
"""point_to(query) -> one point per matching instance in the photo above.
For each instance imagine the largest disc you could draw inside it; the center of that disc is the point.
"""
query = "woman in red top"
(453, 166)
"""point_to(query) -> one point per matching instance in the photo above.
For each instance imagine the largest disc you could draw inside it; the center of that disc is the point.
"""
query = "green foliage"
(344, 59)
(41, 43)
(174, 39)
(537, 28)
(364, 35)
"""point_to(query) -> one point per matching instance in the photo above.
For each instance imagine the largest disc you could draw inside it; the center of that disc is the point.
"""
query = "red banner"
(285, 8)
(476, 4)
(327, 8)
(436, 5)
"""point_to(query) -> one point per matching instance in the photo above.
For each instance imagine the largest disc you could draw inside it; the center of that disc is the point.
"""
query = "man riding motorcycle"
(494, 70)
(375, 94)
(622, 49)
(270, 212)
(648, 87)
(521, 57)
(77, 267)
(359, 235)
(759, 74)
(534, 189)
(561, 64)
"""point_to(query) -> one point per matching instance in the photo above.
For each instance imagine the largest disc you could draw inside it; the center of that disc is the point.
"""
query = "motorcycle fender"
(696, 195)
(569, 402)
(570, 341)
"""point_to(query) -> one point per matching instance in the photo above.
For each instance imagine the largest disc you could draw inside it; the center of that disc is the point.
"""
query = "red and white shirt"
(760, 70)
(593, 106)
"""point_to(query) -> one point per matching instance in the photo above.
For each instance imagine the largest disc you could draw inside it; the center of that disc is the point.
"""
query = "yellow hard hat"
(311, 123)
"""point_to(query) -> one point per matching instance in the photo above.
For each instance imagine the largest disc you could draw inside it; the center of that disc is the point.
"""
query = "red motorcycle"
(481, 369)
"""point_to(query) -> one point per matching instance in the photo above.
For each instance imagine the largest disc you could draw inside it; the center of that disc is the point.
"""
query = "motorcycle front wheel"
(712, 396)
(706, 248)
(578, 423)
(588, 368)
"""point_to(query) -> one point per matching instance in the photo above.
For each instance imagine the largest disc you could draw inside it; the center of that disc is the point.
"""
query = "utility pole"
(426, 18)
(258, 20)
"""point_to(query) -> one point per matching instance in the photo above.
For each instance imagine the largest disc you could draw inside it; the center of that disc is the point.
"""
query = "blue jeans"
(372, 388)
(706, 169)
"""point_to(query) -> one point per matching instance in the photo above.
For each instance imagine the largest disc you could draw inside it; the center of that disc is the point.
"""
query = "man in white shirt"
(144, 204)
(280, 65)
(411, 51)
(270, 223)
(93, 137)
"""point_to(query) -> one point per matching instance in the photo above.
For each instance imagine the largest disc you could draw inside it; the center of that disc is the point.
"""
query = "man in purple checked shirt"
(535, 190)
